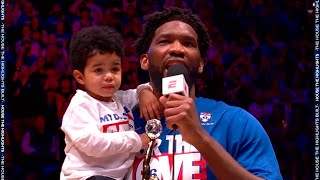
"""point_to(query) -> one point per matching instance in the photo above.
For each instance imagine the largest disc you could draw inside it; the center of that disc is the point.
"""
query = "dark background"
(261, 58)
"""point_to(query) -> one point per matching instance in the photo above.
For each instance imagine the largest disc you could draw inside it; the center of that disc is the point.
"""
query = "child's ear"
(144, 61)
(78, 76)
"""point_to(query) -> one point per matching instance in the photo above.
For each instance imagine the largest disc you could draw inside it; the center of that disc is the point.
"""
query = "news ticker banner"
(2, 88)
(316, 86)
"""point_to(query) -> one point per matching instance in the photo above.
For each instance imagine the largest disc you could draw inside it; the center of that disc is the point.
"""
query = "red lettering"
(106, 126)
(172, 84)
(186, 167)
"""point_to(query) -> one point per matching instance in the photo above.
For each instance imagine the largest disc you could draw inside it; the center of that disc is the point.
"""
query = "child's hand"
(150, 108)
(145, 140)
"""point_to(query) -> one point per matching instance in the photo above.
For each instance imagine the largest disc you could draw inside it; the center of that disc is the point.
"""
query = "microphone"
(177, 80)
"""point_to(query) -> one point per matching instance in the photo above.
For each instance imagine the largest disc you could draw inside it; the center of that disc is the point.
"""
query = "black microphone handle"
(174, 127)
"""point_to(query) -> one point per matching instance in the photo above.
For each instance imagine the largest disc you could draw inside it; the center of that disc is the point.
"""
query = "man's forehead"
(175, 27)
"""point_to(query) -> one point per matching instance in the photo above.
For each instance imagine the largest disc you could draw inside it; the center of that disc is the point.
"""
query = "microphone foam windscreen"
(177, 69)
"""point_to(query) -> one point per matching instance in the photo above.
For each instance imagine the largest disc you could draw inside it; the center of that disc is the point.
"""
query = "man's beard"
(156, 76)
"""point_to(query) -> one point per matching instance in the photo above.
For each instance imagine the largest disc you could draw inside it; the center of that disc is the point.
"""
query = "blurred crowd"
(260, 58)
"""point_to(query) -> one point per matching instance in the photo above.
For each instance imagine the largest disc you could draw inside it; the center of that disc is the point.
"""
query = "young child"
(98, 124)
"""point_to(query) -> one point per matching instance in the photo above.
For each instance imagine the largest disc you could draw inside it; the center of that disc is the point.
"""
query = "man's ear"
(144, 62)
(78, 76)
(201, 66)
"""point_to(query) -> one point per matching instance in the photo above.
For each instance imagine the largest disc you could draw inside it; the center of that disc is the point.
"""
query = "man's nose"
(177, 49)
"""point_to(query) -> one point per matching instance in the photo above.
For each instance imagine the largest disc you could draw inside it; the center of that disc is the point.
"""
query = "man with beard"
(201, 138)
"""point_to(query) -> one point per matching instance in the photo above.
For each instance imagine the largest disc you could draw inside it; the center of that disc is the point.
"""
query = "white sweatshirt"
(100, 137)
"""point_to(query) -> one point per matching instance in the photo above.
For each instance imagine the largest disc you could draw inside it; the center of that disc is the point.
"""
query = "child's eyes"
(113, 70)
(116, 69)
(98, 70)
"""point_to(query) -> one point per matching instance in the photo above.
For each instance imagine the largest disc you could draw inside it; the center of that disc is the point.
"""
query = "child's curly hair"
(92, 40)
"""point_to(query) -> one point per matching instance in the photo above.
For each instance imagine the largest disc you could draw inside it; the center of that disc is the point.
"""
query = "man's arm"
(181, 111)
(222, 164)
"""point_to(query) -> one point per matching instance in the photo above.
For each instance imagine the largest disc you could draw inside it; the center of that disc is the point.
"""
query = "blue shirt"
(236, 130)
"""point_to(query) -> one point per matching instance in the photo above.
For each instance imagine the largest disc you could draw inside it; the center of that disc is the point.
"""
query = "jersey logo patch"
(205, 116)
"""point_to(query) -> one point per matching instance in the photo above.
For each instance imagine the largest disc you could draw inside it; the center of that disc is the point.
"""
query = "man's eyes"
(184, 43)
(189, 44)
(163, 42)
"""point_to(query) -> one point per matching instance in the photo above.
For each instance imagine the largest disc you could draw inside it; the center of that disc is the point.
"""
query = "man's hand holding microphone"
(180, 110)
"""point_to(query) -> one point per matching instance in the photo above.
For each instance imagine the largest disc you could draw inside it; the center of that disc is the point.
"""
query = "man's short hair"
(156, 19)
